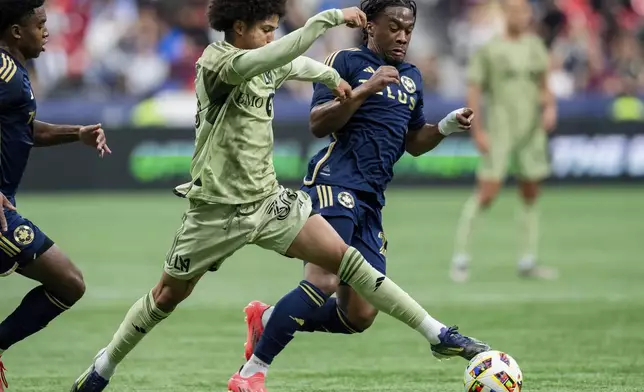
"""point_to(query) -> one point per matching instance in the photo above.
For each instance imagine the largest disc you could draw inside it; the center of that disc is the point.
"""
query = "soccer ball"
(493, 371)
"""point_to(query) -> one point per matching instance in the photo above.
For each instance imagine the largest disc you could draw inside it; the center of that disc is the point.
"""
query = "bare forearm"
(330, 117)
(50, 135)
(424, 140)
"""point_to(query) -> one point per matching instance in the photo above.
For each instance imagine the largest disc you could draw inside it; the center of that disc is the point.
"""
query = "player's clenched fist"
(383, 77)
(457, 121)
(464, 118)
(343, 91)
(354, 17)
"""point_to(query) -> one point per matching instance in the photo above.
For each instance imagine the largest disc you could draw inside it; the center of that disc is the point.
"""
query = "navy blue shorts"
(366, 234)
(21, 244)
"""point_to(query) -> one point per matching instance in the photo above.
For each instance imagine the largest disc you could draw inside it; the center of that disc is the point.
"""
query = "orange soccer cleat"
(254, 312)
(3, 378)
(254, 383)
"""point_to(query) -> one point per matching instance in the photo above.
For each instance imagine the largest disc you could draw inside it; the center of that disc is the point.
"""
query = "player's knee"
(324, 281)
(168, 297)
(363, 318)
(486, 196)
(170, 292)
(485, 200)
(328, 284)
(529, 192)
(73, 287)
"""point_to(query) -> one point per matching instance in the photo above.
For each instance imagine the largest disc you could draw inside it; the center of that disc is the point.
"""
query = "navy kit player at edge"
(349, 176)
(347, 179)
(24, 248)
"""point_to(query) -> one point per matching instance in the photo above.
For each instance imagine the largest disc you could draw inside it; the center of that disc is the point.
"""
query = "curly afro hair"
(14, 11)
(222, 14)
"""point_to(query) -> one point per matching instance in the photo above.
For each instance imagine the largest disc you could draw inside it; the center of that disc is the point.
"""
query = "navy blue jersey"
(17, 113)
(23, 242)
(361, 156)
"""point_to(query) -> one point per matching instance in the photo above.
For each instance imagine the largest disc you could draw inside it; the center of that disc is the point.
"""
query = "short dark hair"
(373, 8)
(14, 11)
(222, 14)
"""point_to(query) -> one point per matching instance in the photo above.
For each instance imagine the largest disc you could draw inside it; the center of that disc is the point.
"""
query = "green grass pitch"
(583, 332)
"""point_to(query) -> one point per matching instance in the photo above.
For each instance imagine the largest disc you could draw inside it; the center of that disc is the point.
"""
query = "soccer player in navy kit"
(346, 181)
(24, 248)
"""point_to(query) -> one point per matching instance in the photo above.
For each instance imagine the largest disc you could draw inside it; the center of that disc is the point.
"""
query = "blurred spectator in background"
(143, 48)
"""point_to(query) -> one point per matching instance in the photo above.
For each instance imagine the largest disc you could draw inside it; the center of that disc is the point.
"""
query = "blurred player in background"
(234, 195)
(24, 248)
(511, 72)
(346, 180)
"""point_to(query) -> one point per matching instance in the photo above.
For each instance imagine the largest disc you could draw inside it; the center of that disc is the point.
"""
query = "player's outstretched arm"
(51, 135)
(286, 49)
(306, 69)
(429, 136)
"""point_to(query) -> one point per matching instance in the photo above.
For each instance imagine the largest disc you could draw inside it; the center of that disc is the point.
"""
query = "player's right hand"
(5, 204)
(383, 77)
(354, 17)
(343, 91)
(481, 141)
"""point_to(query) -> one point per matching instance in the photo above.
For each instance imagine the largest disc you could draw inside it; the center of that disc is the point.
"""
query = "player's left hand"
(343, 91)
(354, 17)
(94, 136)
(457, 121)
(549, 119)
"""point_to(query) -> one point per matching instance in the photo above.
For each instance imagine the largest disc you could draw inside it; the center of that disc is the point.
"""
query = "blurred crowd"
(141, 48)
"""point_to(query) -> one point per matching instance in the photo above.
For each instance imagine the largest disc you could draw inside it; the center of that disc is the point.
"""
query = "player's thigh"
(318, 276)
(288, 225)
(370, 240)
(533, 163)
(208, 235)
(493, 166)
(318, 243)
(25, 248)
(339, 206)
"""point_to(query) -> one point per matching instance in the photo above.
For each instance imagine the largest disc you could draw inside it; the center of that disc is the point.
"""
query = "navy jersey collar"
(372, 54)
(379, 59)
(15, 60)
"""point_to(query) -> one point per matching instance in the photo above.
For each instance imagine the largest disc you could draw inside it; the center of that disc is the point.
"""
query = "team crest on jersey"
(346, 200)
(408, 83)
(24, 235)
